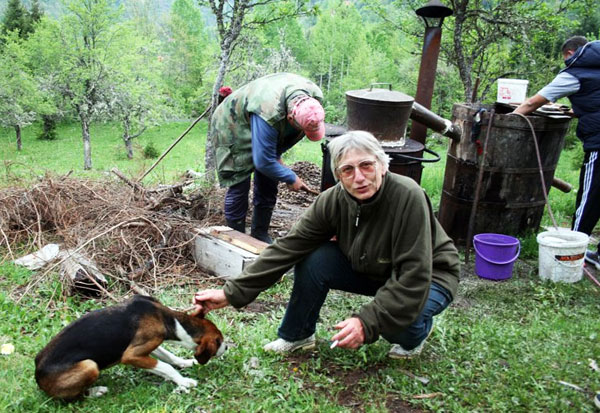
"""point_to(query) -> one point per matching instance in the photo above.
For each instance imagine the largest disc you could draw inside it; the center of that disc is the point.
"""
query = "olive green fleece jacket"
(394, 238)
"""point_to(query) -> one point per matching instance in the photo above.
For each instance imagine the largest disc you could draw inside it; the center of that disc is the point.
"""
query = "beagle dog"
(127, 333)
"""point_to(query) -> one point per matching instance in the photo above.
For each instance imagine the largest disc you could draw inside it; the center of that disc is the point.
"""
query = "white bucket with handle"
(561, 255)
(512, 90)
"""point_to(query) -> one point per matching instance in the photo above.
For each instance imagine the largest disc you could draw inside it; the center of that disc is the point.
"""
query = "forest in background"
(141, 63)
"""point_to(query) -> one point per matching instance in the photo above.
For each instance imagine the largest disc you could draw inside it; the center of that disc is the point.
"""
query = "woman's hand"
(351, 334)
(208, 300)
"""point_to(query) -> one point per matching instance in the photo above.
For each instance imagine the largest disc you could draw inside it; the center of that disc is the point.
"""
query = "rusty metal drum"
(383, 112)
(511, 199)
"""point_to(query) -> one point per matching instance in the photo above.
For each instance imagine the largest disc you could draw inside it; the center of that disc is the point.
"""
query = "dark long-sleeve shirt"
(394, 239)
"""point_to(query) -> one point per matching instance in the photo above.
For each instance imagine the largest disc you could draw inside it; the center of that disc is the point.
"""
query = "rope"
(539, 160)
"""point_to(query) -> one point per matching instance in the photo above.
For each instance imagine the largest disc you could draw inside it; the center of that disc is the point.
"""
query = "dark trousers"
(587, 206)
(236, 197)
(327, 268)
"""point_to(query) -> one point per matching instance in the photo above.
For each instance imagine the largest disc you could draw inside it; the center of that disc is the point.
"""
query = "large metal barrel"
(511, 198)
(383, 112)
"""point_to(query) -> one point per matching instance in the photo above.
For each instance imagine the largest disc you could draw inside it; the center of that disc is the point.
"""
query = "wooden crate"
(224, 252)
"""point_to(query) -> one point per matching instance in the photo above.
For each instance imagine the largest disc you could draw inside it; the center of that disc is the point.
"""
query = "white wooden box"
(220, 257)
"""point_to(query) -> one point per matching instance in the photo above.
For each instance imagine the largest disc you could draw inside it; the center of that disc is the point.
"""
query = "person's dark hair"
(573, 43)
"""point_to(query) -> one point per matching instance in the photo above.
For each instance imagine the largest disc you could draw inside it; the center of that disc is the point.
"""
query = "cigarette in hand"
(334, 344)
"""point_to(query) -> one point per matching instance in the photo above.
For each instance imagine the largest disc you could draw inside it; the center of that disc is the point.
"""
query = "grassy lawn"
(500, 347)
(65, 153)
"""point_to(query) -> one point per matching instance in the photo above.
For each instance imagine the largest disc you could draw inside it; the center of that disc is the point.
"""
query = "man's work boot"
(261, 218)
(238, 225)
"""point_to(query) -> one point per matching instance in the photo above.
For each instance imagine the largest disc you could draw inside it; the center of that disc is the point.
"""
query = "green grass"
(65, 153)
(500, 347)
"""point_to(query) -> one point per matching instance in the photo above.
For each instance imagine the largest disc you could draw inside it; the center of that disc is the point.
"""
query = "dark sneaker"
(593, 259)
(597, 400)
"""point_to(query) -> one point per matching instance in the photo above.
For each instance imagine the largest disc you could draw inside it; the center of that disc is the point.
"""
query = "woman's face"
(360, 173)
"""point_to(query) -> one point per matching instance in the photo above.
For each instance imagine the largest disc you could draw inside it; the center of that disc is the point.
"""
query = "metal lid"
(378, 95)
(410, 146)
(334, 130)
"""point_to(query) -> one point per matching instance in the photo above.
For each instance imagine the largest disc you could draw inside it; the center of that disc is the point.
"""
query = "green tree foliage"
(186, 57)
(36, 13)
(348, 53)
(15, 18)
(96, 65)
(20, 99)
(136, 92)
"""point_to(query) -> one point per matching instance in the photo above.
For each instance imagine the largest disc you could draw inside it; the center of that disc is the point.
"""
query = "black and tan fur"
(126, 333)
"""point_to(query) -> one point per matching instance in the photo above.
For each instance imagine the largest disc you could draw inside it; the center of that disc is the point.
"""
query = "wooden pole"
(175, 143)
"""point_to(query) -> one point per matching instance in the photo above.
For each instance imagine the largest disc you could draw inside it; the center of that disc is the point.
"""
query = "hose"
(539, 159)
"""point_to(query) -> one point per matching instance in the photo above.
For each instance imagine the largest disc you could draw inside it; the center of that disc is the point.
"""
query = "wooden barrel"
(511, 198)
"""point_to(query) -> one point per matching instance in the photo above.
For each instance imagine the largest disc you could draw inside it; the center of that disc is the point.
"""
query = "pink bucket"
(495, 255)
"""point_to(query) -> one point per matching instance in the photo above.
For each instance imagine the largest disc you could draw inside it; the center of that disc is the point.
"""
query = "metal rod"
(421, 114)
(471, 225)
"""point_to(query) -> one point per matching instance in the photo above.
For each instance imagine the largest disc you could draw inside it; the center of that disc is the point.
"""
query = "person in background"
(374, 234)
(224, 91)
(252, 128)
(580, 82)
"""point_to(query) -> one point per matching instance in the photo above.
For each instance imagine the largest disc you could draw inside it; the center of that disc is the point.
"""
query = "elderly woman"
(374, 234)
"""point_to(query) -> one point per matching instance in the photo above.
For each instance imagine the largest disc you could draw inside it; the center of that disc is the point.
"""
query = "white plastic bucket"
(512, 90)
(561, 255)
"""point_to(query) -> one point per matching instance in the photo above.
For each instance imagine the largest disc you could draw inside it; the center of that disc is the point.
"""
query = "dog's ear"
(195, 311)
(205, 350)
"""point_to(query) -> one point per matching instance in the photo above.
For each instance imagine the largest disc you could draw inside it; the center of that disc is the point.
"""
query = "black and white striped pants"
(587, 207)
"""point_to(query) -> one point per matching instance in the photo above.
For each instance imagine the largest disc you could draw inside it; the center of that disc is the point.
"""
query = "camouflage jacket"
(267, 97)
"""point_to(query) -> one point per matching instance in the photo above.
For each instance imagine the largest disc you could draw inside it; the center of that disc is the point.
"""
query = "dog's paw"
(182, 364)
(96, 391)
(184, 385)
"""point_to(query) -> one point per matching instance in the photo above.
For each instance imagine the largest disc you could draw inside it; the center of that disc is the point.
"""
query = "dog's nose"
(225, 345)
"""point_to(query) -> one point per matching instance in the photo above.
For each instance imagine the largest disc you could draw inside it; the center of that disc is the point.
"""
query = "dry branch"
(112, 224)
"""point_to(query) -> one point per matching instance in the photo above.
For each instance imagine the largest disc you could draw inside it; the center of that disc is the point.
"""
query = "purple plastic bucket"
(495, 255)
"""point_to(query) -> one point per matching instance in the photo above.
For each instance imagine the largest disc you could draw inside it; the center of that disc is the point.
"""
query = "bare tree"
(232, 18)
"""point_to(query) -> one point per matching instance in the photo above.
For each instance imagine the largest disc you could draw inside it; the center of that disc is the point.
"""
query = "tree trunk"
(464, 66)
(210, 163)
(127, 139)
(227, 46)
(87, 146)
(18, 133)
(329, 76)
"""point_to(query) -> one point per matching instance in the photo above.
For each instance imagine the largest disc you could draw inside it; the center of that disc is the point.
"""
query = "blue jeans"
(327, 268)
(236, 197)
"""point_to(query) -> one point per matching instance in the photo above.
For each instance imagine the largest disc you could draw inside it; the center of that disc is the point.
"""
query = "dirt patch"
(353, 393)
(261, 307)
(291, 204)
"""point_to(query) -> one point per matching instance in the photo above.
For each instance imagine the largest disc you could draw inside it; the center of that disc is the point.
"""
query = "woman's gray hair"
(359, 140)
